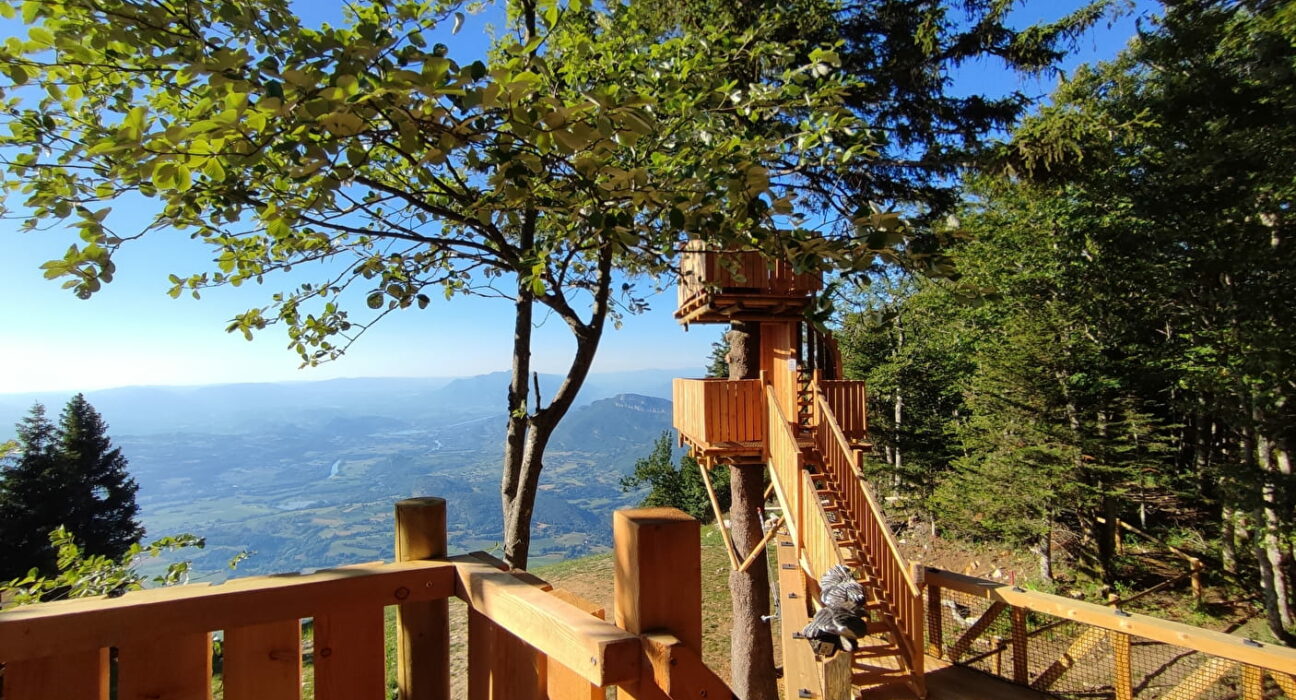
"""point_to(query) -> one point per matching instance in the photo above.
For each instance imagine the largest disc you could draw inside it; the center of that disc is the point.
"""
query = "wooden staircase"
(881, 660)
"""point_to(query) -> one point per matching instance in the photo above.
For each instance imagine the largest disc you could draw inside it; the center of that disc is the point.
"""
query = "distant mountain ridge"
(241, 407)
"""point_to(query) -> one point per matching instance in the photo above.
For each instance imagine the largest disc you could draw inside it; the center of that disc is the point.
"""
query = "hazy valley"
(305, 474)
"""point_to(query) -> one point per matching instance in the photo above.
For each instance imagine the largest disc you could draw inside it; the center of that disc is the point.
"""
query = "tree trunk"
(1271, 548)
(1043, 550)
(528, 434)
(751, 642)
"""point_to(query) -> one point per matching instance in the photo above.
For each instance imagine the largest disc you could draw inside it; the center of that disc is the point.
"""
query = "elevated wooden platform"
(724, 286)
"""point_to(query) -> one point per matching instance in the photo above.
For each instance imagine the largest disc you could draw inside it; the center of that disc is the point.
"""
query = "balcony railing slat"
(82, 675)
(349, 647)
(165, 668)
(263, 662)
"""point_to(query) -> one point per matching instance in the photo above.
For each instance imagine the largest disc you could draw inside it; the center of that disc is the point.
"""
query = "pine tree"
(102, 509)
(68, 475)
(28, 497)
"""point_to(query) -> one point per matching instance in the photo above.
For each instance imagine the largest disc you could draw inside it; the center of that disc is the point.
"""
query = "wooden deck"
(945, 682)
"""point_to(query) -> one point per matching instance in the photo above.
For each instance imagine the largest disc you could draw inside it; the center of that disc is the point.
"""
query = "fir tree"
(28, 497)
(68, 475)
(101, 512)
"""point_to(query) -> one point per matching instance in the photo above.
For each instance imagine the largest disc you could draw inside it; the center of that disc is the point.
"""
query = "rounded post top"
(421, 502)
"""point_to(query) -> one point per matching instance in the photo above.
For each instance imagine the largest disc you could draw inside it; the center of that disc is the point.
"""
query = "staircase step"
(877, 652)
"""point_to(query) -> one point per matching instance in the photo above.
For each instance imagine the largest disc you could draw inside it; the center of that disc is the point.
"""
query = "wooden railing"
(783, 456)
(883, 558)
(848, 400)
(703, 270)
(821, 549)
(1072, 648)
(526, 641)
(715, 411)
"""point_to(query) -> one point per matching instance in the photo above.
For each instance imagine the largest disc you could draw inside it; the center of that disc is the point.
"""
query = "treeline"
(1118, 342)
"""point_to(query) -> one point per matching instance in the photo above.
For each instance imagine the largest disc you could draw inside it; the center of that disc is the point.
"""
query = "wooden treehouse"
(933, 633)
(808, 427)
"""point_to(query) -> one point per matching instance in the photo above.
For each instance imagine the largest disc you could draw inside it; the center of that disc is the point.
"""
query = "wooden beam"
(1020, 647)
(1285, 681)
(564, 683)
(598, 651)
(84, 624)
(760, 547)
(1085, 643)
(422, 628)
(1200, 680)
(979, 627)
(263, 662)
(719, 515)
(1122, 667)
(678, 671)
(81, 675)
(1269, 656)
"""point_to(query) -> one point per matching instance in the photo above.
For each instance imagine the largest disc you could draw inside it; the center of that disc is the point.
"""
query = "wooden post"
(935, 622)
(422, 629)
(658, 580)
(1021, 670)
(1122, 681)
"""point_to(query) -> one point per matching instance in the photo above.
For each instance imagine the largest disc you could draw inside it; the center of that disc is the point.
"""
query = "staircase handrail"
(789, 494)
(826, 418)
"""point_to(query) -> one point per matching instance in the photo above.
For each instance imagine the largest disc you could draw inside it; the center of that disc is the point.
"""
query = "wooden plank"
(979, 627)
(83, 624)
(564, 683)
(481, 651)
(1252, 683)
(80, 675)
(678, 671)
(349, 654)
(1200, 680)
(799, 668)
(1286, 682)
(263, 661)
(1020, 646)
(165, 668)
(719, 515)
(1083, 645)
(760, 547)
(598, 651)
(422, 628)
(1269, 656)
(1122, 667)
(935, 623)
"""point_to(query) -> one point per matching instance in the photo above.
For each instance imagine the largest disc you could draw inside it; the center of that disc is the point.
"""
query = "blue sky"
(132, 333)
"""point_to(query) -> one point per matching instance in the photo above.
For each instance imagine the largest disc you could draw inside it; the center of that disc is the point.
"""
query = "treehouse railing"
(526, 641)
(1074, 649)
(881, 553)
(784, 458)
(704, 273)
(848, 400)
(717, 411)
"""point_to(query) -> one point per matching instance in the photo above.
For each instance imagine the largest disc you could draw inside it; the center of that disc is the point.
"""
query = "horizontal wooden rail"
(85, 624)
(1225, 646)
(598, 651)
